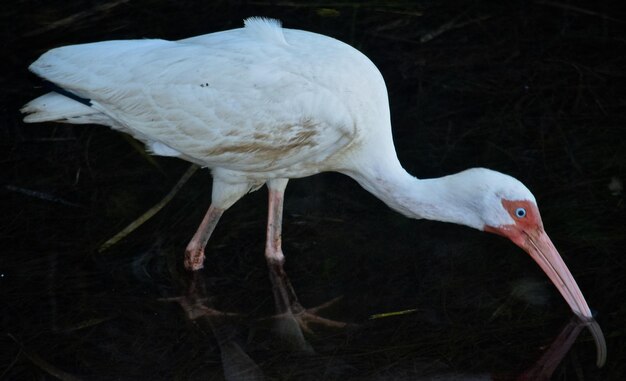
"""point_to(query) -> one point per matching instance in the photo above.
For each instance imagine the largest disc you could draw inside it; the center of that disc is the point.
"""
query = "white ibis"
(263, 104)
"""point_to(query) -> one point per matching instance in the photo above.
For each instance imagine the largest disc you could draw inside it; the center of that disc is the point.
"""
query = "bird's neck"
(439, 199)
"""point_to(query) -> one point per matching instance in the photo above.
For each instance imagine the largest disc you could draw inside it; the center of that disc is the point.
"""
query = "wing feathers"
(239, 99)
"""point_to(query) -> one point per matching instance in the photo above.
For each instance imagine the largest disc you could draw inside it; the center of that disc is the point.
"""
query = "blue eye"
(520, 212)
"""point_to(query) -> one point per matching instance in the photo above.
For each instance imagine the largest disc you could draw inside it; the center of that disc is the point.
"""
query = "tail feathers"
(54, 107)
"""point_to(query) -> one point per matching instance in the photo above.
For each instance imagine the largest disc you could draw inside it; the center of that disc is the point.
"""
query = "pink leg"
(284, 294)
(194, 254)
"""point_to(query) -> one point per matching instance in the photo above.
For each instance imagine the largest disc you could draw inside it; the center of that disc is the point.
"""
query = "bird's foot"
(195, 302)
(196, 308)
(288, 306)
(290, 325)
(308, 316)
(305, 317)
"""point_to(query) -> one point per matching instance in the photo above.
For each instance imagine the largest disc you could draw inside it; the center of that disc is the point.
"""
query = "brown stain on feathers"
(258, 145)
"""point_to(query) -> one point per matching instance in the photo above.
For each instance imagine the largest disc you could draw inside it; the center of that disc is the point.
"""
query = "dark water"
(528, 88)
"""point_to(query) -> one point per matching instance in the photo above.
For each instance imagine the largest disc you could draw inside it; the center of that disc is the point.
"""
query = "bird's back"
(257, 99)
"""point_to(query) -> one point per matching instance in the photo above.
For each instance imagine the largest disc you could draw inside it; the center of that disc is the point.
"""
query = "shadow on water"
(528, 88)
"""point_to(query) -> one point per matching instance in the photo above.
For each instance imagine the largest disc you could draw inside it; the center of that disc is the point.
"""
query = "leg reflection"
(236, 363)
(289, 310)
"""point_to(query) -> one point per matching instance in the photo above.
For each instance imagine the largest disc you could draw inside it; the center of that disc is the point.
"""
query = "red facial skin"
(527, 232)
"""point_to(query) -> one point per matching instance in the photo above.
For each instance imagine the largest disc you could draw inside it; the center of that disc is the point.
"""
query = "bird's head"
(504, 206)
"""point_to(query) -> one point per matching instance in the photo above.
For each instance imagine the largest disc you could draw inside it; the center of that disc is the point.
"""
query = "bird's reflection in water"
(540, 370)
(291, 318)
(238, 365)
(289, 331)
(551, 357)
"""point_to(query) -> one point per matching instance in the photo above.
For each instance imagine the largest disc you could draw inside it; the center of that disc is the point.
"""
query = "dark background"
(530, 88)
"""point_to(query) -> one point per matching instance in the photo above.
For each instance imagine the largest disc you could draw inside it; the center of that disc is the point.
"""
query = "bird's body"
(252, 104)
(263, 104)
(274, 110)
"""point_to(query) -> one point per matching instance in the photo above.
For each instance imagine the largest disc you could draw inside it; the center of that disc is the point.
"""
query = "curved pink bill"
(540, 247)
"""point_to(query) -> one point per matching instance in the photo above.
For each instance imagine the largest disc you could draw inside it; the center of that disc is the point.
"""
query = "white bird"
(262, 104)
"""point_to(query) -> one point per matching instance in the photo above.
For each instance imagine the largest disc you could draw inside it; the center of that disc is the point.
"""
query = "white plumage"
(263, 104)
(272, 107)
